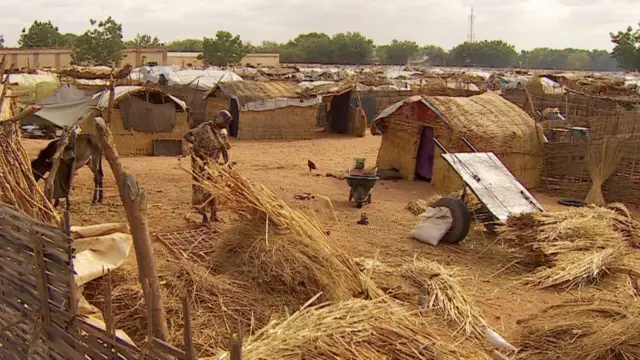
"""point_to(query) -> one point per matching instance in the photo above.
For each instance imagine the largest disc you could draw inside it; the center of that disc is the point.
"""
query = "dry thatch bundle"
(603, 158)
(17, 185)
(216, 302)
(353, 329)
(440, 285)
(591, 330)
(310, 247)
(417, 207)
(575, 247)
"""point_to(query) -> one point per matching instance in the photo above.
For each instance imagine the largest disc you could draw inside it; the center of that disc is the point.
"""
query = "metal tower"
(472, 36)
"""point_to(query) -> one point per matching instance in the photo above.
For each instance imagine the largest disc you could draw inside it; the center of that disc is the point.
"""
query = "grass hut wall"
(489, 122)
(265, 110)
(144, 120)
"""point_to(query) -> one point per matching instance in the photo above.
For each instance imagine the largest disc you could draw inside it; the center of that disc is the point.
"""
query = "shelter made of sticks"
(265, 110)
(489, 122)
(148, 121)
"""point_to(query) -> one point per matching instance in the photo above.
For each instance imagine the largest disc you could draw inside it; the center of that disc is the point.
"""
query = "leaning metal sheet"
(493, 184)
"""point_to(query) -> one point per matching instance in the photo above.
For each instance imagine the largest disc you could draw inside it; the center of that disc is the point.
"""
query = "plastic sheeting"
(38, 86)
(199, 79)
(121, 91)
(271, 104)
(434, 225)
(66, 106)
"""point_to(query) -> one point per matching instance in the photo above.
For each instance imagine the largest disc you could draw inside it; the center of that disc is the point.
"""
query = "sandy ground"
(283, 165)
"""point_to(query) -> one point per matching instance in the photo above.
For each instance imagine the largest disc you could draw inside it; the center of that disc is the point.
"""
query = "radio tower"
(471, 37)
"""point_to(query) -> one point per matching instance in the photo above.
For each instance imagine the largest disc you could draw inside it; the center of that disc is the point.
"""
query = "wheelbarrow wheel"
(461, 219)
(359, 196)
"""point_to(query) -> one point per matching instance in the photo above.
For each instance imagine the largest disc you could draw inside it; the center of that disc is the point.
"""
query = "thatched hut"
(489, 122)
(265, 110)
(144, 121)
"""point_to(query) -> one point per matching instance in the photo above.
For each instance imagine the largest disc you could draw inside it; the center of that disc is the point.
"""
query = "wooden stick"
(49, 188)
(190, 350)
(134, 200)
(29, 110)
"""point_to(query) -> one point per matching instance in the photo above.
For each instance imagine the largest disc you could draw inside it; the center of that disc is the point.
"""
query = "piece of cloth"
(210, 141)
(143, 116)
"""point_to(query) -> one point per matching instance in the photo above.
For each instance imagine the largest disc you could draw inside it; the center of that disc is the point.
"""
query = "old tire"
(461, 219)
(572, 203)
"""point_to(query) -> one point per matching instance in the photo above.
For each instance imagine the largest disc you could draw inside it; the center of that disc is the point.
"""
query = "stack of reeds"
(570, 248)
(591, 330)
(353, 329)
(603, 157)
(310, 249)
(438, 286)
(17, 185)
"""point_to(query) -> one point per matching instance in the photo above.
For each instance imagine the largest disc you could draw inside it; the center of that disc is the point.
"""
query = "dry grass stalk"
(602, 160)
(353, 329)
(313, 243)
(17, 185)
(575, 247)
(594, 330)
(443, 289)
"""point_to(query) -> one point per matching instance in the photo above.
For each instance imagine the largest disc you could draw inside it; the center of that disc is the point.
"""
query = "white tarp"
(199, 79)
(434, 225)
(271, 104)
(66, 106)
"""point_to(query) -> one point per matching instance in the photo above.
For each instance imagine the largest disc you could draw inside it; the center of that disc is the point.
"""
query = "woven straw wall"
(290, 123)
(214, 105)
(134, 143)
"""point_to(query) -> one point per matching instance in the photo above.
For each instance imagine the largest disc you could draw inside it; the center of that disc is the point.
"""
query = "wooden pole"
(134, 201)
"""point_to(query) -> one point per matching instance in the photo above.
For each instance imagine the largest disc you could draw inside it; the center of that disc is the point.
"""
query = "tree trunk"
(134, 201)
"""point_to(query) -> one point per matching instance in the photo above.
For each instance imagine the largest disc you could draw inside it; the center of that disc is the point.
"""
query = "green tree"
(225, 49)
(602, 60)
(40, 34)
(67, 39)
(102, 44)
(627, 48)
(143, 41)
(313, 48)
(436, 56)
(1, 41)
(398, 52)
(486, 53)
(577, 60)
(186, 45)
(353, 48)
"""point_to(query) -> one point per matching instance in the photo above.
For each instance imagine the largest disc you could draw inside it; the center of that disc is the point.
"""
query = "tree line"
(103, 43)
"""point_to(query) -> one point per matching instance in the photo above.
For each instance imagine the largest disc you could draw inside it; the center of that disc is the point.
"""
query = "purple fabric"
(426, 150)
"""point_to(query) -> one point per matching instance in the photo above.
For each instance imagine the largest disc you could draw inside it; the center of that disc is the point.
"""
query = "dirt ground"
(283, 165)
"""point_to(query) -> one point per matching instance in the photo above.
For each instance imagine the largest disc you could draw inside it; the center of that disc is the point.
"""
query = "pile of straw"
(603, 158)
(307, 248)
(570, 248)
(353, 329)
(417, 207)
(216, 302)
(440, 284)
(17, 185)
(590, 330)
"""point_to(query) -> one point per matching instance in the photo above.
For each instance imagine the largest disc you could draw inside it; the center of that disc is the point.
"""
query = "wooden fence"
(39, 318)
(566, 172)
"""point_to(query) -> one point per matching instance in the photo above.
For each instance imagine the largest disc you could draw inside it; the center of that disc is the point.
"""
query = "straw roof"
(490, 122)
(95, 72)
(249, 91)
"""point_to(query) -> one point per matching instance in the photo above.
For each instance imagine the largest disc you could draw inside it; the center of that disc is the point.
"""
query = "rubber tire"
(572, 203)
(358, 196)
(461, 219)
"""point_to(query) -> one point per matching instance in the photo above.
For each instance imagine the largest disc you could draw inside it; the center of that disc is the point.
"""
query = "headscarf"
(223, 119)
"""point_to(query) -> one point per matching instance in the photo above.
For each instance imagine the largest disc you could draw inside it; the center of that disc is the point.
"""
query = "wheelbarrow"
(361, 186)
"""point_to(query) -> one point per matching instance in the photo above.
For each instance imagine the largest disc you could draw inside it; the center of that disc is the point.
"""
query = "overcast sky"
(524, 23)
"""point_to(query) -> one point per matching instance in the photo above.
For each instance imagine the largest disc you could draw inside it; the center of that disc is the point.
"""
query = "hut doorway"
(234, 110)
(425, 155)
(339, 113)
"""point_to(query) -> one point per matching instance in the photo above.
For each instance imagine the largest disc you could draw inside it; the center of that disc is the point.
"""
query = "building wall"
(289, 123)
(184, 59)
(257, 59)
(39, 58)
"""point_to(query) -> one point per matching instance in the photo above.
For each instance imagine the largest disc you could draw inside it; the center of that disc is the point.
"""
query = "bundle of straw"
(354, 329)
(593, 330)
(602, 160)
(574, 247)
(442, 286)
(313, 245)
(17, 185)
